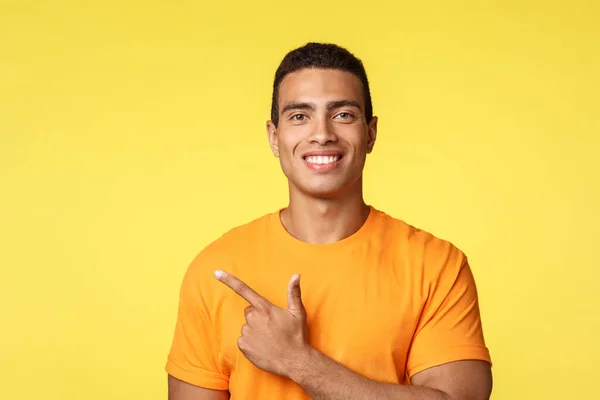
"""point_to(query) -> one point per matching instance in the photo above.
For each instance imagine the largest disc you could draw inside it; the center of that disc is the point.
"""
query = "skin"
(323, 110)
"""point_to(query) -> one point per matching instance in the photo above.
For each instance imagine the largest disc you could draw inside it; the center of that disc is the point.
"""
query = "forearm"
(324, 379)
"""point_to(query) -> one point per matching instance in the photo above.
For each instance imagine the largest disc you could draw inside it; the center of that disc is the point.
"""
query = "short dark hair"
(320, 55)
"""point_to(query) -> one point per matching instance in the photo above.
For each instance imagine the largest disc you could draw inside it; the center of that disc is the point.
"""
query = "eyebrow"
(330, 106)
(342, 103)
(298, 106)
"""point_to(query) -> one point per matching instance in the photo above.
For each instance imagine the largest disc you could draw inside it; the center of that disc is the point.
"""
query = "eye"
(344, 115)
(298, 117)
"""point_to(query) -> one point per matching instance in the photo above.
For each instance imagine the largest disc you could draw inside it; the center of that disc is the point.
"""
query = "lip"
(322, 153)
(323, 167)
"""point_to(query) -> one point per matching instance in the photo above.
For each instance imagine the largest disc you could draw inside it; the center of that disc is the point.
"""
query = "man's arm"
(193, 368)
(180, 390)
(324, 379)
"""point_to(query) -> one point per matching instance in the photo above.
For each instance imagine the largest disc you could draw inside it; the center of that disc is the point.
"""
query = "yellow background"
(132, 134)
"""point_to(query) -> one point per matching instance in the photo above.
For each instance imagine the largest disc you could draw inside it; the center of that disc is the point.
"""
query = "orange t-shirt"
(387, 302)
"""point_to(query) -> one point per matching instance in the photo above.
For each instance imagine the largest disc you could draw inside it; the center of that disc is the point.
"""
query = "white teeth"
(322, 159)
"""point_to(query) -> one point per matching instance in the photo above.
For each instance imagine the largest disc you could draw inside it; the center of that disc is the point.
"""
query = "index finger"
(242, 289)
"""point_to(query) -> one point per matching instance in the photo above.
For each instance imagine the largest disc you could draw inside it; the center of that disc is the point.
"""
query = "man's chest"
(364, 318)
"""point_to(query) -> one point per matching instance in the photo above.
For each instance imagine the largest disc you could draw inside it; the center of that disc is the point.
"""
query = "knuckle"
(239, 287)
(241, 343)
(245, 329)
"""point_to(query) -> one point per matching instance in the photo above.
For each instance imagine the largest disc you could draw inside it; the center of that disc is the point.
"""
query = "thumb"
(295, 305)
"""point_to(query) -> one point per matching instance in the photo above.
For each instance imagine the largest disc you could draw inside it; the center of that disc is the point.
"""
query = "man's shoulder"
(404, 230)
(243, 233)
(420, 242)
(235, 241)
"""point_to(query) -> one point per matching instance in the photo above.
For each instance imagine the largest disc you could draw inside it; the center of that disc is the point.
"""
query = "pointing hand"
(273, 339)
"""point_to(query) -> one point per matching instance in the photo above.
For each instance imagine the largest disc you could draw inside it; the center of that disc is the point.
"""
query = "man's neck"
(321, 221)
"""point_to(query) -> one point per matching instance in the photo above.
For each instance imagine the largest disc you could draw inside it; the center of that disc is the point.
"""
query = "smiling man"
(328, 298)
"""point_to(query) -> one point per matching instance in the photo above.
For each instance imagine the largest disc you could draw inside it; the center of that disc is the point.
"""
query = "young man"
(386, 311)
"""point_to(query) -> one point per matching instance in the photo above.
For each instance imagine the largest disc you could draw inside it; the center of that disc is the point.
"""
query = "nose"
(322, 132)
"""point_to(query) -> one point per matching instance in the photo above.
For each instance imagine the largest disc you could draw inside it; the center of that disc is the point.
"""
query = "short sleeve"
(450, 326)
(194, 354)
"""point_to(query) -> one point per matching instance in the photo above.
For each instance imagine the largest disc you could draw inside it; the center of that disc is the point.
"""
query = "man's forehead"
(320, 86)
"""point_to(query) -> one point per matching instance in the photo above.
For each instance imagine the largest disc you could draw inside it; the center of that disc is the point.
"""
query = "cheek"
(358, 148)
(286, 151)
(286, 156)
(289, 142)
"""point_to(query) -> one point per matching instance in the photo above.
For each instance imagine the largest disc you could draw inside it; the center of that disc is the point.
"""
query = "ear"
(273, 140)
(371, 134)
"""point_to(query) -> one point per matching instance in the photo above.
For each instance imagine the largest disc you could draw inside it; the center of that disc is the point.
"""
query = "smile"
(322, 163)
(322, 160)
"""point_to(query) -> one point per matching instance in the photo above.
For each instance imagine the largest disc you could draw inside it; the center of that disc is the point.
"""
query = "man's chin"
(323, 192)
(326, 189)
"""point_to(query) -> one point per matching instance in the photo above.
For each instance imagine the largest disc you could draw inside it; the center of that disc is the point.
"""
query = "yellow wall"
(132, 134)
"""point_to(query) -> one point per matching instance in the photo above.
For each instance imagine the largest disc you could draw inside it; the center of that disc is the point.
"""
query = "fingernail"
(218, 274)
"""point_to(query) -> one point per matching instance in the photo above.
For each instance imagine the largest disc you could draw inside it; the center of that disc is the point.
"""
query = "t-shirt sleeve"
(450, 326)
(194, 354)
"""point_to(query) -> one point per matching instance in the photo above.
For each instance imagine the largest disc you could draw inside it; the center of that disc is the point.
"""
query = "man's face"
(322, 139)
